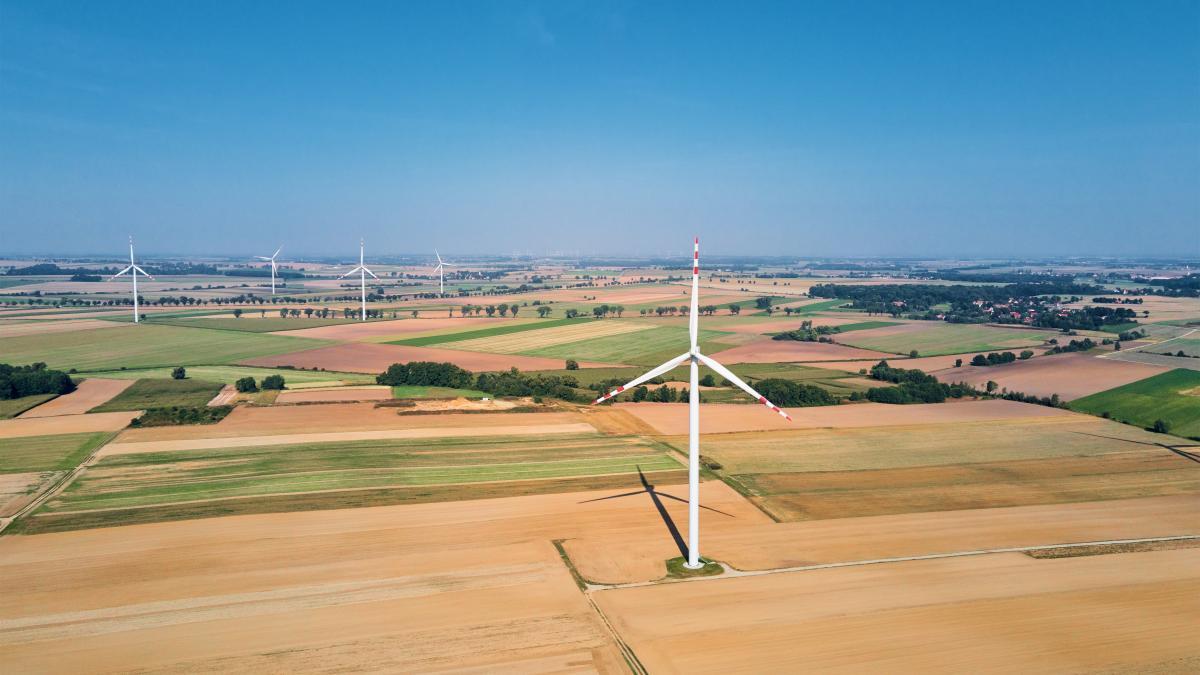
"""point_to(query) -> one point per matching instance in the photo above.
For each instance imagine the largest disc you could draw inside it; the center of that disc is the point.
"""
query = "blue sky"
(805, 128)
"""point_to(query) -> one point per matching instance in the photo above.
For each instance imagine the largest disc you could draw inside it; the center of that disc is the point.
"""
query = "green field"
(815, 307)
(143, 482)
(644, 348)
(146, 346)
(296, 379)
(491, 331)
(947, 338)
(48, 453)
(1190, 346)
(411, 391)
(145, 394)
(251, 324)
(865, 325)
(11, 407)
(1173, 396)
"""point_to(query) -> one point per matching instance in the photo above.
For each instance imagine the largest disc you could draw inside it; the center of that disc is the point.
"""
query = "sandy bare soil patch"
(1002, 613)
(336, 394)
(18, 328)
(70, 424)
(127, 448)
(373, 331)
(790, 351)
(333, 417)
(375, 358)
(227, 396)
(1068, 375)
(459, 585)
(90, 393)
(671, 418)
(497, 405)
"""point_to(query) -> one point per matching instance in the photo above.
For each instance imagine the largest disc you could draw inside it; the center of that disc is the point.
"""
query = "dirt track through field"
(343, 436)
(90, 393)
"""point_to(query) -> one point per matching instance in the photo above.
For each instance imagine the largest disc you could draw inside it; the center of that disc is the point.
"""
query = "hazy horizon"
(836, 130)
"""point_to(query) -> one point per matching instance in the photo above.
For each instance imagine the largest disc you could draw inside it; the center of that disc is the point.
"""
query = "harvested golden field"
(90, 393)
(336, 394)
(1071, 375)
(767, 350)
(1003, 613)
(671, 418)
(72, 424)
(16, 328)
(375, 358)
(462, 585)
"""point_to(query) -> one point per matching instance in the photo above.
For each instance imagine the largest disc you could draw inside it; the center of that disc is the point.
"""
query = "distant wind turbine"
(363, 272)
(441, 276)
(272, 261)
(133, 271)
(694, 358)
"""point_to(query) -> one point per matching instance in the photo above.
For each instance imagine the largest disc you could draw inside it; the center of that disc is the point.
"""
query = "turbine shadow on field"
(655, 495)
(1173, 448)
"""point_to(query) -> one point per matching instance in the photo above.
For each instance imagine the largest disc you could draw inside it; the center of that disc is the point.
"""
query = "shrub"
(273, 382)
(1161, 427)
(246, 385)
(708, 381)
(572, 364)
(179, 373)
(1026, 355)
(793, 394)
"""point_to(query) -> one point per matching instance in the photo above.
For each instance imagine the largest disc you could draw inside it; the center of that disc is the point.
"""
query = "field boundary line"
(734, 573)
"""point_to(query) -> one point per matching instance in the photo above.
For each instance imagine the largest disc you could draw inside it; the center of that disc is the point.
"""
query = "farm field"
(410, 391)
(1150, 359)
(472, 333)
(253, 322)
(90, 393)
(980, 614)
(29, 464)
(15, 328)
(934, 338)
(145, 346)
(767, 350)
(66, 424)
(1071, 376)
(11, 407)
(1173, 396)
(530, 341)
(149, 486)
(335, 394)
(643, 346)
(375, 358)
(295, 379)
(143, 394)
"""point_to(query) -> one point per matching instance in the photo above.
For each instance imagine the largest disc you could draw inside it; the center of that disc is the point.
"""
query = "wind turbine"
(441, 278)
(694, 358)
(363, 272)
(272, 261)
(133, 271)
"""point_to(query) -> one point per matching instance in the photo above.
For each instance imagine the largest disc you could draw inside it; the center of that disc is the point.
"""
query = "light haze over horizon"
(810, 129)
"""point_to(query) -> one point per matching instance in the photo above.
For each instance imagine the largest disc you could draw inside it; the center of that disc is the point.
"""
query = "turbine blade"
(648, 375)
(348, 273)
(120, 273)
(144, 272)
(259, 257)
(276, 252)
(369, 272)
(728, 374)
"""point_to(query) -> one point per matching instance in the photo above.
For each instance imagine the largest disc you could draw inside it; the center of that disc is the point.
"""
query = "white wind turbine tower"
(133, 271)
(272, 261)
(695, 358)
(363, 272)
(441, 276)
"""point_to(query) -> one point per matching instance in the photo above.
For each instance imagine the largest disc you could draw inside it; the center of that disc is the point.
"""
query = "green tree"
(991, 386)
(958, 363)
(179, 373)
(762, 303)
(979, 360)
(1161, 426)
(1026, 355)
(246, 385)
(273, 382)
(544, 311)
(708, 381)
(490, 309)
(283, 312)
(913, 354)
(237, 313)
(514, 308)
(735, 309)
(503, 309)
(572, 364)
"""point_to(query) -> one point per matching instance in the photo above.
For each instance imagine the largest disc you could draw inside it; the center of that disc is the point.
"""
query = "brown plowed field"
(1070, 376)
(791, 351)
(361, 357)
(1002, 613)
(671, 418)
(15, 328)
(90, 393)
(70, 424)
